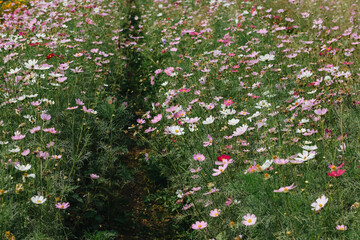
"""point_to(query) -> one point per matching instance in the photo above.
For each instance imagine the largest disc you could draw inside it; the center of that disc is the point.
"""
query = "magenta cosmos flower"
(199, 157)
(199, 225)
(249, 219)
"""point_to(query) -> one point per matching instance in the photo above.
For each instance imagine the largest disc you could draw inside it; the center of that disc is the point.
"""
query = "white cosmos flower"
(266, 165)
(303, 130)
(13, 71)
(304, 120)
(309, 148)
(15, 150)
(176, 130)
(209, 120)
(22, 167)
(305, 156)
(31, 63)
(320, 203)
(38, 199)
(240, 130)
(233, 121)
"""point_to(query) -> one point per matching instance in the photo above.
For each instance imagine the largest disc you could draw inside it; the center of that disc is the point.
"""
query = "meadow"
(180, 119)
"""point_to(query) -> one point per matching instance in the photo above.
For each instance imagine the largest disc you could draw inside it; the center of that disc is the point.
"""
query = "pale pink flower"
(321, 111)
(94, 176)
(157, 118)
(208, 143)
(62, 205)
(215, 213)
(26, 152)
(199, 157)
(341, 227)
(199, 225)
(220, 170)
(285, 189)
(35, 129)
(249, 219)
(17, 136)
(45, 117)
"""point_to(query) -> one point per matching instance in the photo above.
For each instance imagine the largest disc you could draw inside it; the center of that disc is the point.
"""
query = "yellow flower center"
(176, 131)
(341, 228)
(199, 226)
(38, 201)
(285, 190)
(249, 221)
(320, 205)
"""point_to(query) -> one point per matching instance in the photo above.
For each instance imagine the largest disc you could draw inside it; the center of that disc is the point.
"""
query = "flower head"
(336, 173)
(341, 227)
(320, 203)
(38, 199)
(285, 189)
(199, 225)
(22, 167)
(94, 176)
(215, 213)
(62, 205)
(199, 157)
(249, 219)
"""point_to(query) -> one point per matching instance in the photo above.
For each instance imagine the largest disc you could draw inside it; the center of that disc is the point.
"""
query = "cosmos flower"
(249, 219)
(199, 225)
(341, 227)
(336, 173)
(176, 130)
(220, 170)
(215, 213)
(22, 167)
(94, 176)
(62, 205)
(305, 156)
(320, 203)
(285, 189)
(38, 199)
(199, 157)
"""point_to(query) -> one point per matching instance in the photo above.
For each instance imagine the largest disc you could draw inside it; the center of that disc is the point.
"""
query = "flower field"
(180, 119)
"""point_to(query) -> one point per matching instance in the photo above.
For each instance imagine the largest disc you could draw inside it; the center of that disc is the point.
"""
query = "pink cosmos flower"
(199, 157)
(285, 189)
(249, 219)
(157, 118)
(94, 176)
(208, 143)
(229, 201)
(321, 111)
(333, 167)
(281, 161)
(17, 136)
(150, 129)
(341, 227)
(62, 205)
(199, 225)
(79, 102)
(215, 213)
(140, 121)
(26, 152)
(336, 173)
(45, 117)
